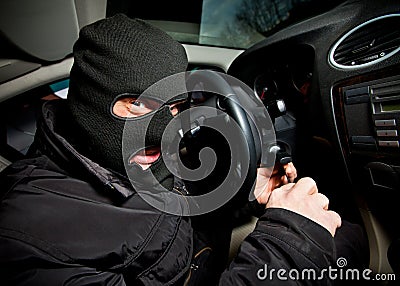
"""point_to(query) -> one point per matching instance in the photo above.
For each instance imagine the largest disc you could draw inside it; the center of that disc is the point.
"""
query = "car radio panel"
(372, 115)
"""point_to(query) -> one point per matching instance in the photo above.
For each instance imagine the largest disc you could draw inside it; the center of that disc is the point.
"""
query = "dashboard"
(339, 75)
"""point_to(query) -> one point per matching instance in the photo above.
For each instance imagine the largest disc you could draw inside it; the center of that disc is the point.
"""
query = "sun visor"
(45, 30)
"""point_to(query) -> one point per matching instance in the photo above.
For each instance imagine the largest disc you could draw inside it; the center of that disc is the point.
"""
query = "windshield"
(226, 23)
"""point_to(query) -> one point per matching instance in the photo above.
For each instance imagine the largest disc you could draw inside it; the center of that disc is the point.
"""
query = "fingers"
(336, 218)
(307, 185)
(286, 187)
(264, 184)
(290, 171)
(263, 197)
(265, 171)
(304, 199)
(335, 221)
(278, 176)
(323, 200)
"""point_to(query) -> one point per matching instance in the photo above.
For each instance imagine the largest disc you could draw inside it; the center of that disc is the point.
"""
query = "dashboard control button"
(357, 95)
(363, 143)
(386, 133)
(382, 143)
(385, 122)
(362, 140)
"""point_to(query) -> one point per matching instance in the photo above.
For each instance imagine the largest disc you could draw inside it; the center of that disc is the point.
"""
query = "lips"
(147, 156)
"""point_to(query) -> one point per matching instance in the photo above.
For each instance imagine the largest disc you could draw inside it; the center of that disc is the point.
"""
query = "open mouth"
(146, 157)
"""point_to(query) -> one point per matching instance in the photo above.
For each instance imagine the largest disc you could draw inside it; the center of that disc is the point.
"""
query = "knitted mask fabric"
(115, 57)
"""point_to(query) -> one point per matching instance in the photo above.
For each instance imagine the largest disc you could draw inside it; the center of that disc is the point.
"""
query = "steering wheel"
(228, 103)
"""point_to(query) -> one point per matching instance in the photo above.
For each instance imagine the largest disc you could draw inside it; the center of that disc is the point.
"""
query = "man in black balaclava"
(112, 67)
(68, 215)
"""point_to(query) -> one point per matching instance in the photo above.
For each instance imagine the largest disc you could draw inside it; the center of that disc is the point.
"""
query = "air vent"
(368, 43)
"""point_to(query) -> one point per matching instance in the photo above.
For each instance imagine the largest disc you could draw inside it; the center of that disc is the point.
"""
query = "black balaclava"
(113, 57)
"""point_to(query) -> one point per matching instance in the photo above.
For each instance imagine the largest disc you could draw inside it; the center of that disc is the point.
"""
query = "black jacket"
(64, 220)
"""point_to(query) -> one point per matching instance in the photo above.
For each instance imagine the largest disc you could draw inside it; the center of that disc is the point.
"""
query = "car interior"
(336, 68)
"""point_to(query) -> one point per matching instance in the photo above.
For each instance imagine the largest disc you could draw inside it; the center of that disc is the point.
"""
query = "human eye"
(139, 108)
(139, 104)
(134, 107)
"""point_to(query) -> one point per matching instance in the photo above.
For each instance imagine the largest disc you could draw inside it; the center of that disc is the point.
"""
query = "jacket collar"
(50, 142)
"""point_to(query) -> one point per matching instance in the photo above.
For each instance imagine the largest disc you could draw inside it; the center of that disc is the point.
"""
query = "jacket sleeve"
(16, 268)
(285, 248)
